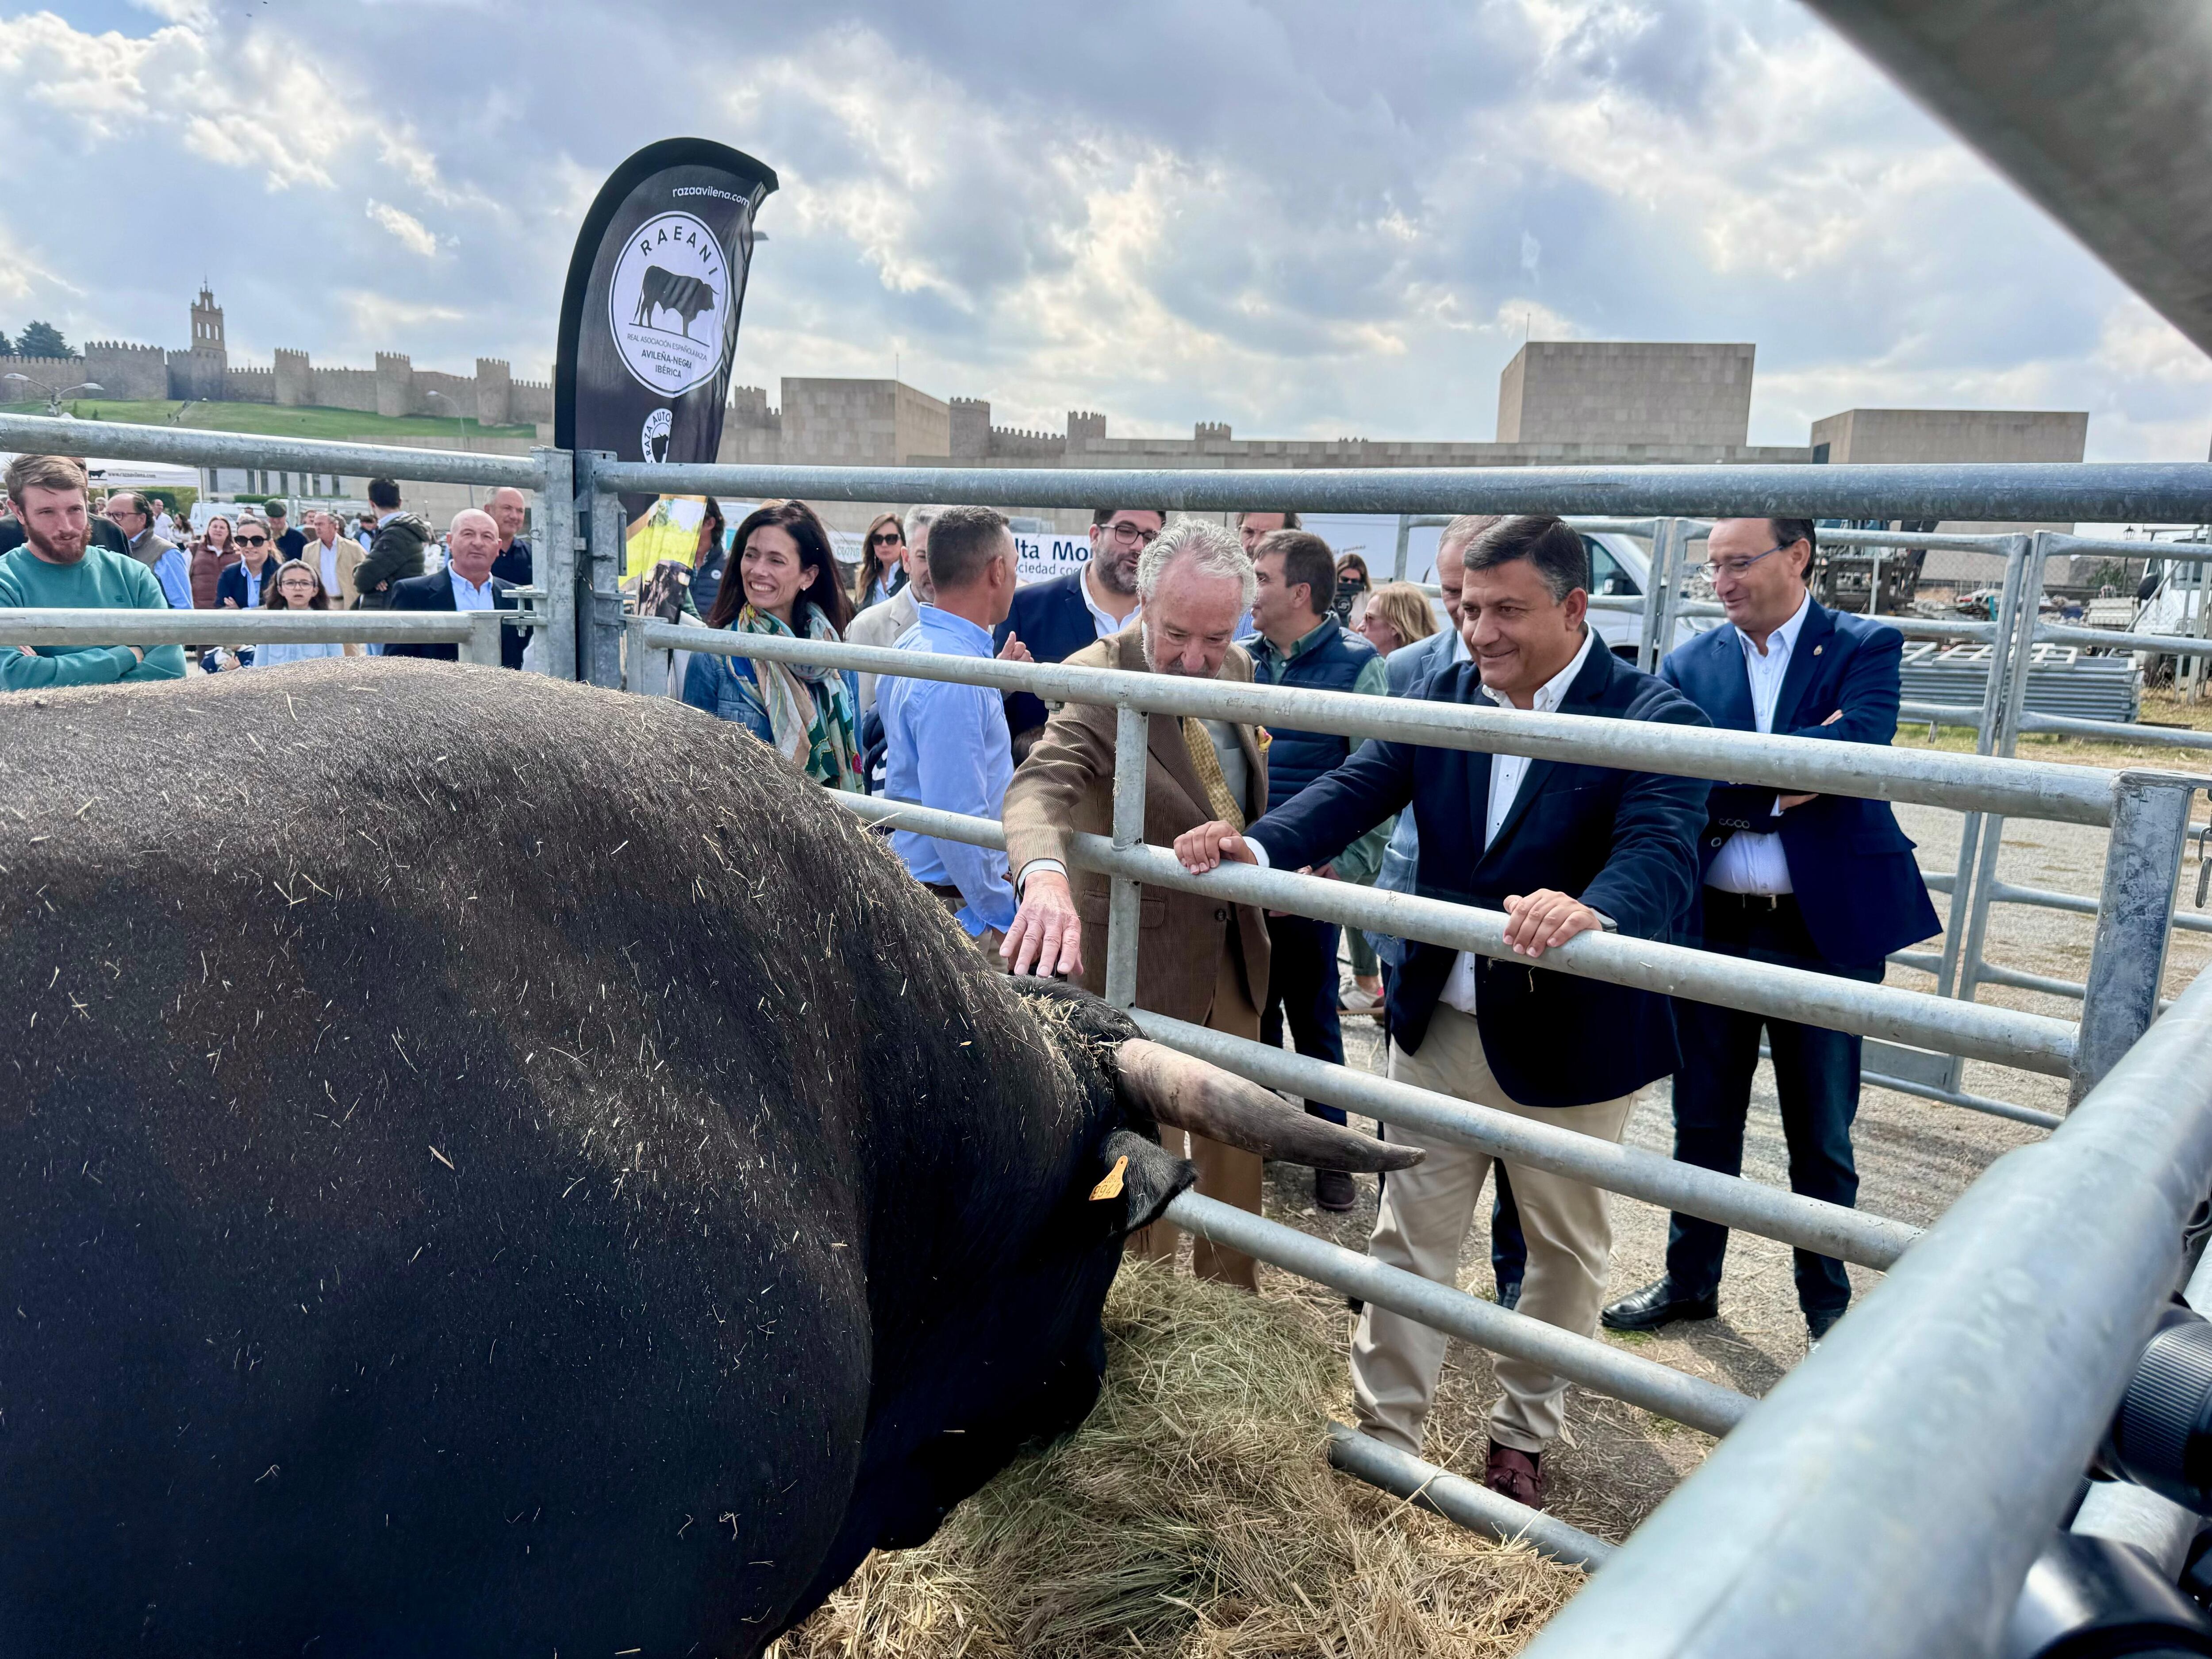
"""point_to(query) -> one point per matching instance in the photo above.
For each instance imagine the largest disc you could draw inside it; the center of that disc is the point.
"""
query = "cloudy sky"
(1306, 219)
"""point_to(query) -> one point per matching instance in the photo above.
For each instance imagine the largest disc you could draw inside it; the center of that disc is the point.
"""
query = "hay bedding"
(1193, 1515)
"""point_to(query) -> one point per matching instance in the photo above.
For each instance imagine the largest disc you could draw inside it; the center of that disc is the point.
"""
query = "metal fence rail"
(1888, 1496)
(477, 632)
(2069, 794)
(2099, 491)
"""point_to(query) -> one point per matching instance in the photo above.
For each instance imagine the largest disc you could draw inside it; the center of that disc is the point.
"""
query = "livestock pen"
(1893, 1491)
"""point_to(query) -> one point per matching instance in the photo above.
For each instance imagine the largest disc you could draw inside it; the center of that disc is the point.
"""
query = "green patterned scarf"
(809, 707)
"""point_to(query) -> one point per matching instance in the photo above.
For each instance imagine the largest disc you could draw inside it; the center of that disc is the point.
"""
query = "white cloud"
(408, 231)
(1268, 213)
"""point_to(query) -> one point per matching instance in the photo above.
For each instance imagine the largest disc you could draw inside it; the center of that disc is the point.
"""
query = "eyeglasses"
(888, 539)
(252, 541)
(1130, 535)
(1737, 566)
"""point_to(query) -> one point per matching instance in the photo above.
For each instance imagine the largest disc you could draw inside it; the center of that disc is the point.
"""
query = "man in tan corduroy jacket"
(1198, 959)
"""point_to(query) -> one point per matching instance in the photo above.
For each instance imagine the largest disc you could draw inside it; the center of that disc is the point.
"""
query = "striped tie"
(1208, 765)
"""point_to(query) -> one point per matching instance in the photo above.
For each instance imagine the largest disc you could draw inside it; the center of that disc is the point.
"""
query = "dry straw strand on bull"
(1193, 1515)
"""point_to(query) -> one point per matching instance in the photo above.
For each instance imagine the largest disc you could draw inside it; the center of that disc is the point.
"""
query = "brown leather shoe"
(1515, 1474)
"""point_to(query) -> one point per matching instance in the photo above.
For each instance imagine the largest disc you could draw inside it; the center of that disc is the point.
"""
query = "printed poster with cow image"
(649, 318)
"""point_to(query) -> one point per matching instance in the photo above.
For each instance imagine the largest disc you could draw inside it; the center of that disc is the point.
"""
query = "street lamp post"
(54, 394)
(461, 432)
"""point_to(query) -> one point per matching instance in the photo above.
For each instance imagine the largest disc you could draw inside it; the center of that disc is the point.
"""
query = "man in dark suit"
(1563, 849)
(1825, 882)
(465, 584)
(1056, 619)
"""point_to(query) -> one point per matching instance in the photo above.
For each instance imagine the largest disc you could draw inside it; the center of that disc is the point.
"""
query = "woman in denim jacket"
(787, 584)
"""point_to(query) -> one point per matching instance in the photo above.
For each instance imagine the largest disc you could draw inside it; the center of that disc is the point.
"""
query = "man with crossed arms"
(1823, 882)
(1563, 849)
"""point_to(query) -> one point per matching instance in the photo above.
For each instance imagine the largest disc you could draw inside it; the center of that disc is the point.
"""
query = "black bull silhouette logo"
(664, 290)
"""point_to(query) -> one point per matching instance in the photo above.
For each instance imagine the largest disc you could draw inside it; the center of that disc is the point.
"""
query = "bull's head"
(1160, 1086)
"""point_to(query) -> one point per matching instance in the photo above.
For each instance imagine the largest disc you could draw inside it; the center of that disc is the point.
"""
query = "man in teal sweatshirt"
(59, 569)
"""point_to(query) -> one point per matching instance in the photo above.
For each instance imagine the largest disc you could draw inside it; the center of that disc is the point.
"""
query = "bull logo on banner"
(664, 303)
(649, 319)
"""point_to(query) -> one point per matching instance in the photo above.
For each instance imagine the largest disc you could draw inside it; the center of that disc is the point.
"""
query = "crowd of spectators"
(1559, 848)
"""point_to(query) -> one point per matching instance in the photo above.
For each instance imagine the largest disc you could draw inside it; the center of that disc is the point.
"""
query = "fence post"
(633, 675)
(2012, 647)
(482, 646)
(1659, 600)
(553, 560)
(1969, 911)
(599, 575)
(1404, 540)
(2143, 862)
(1132, 732)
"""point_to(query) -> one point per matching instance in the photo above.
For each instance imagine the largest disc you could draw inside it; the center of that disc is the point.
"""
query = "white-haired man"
(1198, 959)
(465, 584)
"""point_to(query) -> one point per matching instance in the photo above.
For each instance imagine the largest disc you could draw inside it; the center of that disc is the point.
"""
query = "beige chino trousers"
(1422, 1227)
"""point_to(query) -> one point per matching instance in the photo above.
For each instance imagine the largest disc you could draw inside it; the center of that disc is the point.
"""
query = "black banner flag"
(649, 318)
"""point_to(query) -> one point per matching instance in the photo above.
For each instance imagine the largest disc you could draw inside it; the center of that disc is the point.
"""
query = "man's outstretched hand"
(1544, 918)
(1200, 849)
(1046, 937)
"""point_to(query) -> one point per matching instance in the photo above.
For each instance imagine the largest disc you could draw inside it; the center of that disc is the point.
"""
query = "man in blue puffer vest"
(1300, 643)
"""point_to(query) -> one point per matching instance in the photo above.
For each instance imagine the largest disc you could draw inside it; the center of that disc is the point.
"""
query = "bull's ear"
(1137, 1180)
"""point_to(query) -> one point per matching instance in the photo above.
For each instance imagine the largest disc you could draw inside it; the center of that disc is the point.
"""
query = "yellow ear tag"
(1111, 1187)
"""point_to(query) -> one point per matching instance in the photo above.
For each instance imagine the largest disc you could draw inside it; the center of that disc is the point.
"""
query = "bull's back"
(429, 1221)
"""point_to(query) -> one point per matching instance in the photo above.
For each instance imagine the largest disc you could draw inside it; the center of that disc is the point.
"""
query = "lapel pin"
(1816, 650)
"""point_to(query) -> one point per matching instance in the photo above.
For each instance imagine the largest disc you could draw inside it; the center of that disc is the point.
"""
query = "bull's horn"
(1186, 1093)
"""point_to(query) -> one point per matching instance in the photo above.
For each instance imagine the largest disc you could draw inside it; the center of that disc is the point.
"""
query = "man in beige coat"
(1198, 959)
(332, 555)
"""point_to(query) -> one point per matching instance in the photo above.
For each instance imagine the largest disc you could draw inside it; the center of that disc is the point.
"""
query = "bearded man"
(59, 569)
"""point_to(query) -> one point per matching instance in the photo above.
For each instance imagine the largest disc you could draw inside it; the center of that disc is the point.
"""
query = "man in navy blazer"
(465, 584)
(1563, 849)
(1058, 618)
(1826, 882)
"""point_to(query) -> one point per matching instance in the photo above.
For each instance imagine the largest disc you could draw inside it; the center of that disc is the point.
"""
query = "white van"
(1621, 568)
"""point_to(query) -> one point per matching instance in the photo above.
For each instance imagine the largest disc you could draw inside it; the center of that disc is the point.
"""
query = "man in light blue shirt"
(946, 745)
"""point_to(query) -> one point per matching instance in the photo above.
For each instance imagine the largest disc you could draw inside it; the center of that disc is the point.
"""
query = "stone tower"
(204, 370)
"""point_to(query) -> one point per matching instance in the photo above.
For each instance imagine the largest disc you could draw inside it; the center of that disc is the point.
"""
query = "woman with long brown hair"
(882, 570)
(783, 581)
(211, 553)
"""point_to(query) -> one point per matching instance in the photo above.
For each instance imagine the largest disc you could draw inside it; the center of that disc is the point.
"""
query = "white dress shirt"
(1104, 620)
(1506, 773)
(1756, 863)
(329, 555)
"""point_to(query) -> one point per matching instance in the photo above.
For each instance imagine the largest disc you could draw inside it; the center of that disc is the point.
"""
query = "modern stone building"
(1630, 395)
(1897, 436)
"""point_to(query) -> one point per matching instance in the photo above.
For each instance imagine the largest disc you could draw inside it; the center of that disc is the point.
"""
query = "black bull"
(664, 290)
(492, 1166)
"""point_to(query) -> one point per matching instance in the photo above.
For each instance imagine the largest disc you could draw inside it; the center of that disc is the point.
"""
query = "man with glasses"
(1056, 619)
(131, 514)
(1823, 882)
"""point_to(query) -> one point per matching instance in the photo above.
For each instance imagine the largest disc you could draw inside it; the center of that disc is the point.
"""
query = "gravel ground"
(1616, 1463)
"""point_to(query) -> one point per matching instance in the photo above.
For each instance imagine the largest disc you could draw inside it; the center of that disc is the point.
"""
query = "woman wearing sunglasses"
(238, 587)
(882, 570)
